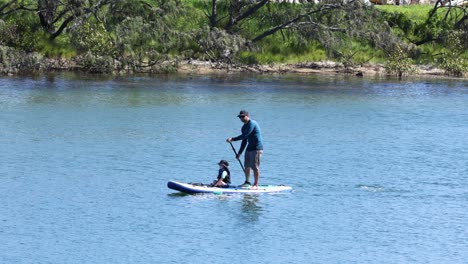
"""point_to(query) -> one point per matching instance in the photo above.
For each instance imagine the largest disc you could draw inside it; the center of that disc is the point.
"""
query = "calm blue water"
(379, 170)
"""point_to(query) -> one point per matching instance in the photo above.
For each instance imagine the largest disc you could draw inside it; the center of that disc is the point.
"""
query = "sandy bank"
(203, 67)
(34, 63)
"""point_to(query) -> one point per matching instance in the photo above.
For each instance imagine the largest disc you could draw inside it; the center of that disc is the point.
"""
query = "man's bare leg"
(257, 177)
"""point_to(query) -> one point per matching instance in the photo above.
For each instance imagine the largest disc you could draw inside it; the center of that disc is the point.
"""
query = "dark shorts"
(252, 159)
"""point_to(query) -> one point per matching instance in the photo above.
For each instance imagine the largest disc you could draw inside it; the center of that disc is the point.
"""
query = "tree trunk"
(214, 14)
(46, 13)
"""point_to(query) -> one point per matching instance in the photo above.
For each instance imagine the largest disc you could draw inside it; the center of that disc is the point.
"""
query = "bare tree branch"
(6, 5)
(459, 23)
(52, 13)
(273, 30)
(62, 27)
(4, 8)
(254, 8)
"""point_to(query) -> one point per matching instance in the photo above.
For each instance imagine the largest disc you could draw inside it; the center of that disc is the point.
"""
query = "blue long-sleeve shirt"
(251, 133)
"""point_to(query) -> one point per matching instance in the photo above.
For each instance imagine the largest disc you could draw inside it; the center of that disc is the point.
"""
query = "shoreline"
(323, 67)
(47, 65)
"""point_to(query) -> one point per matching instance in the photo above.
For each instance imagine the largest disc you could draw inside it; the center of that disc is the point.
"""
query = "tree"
(143, 34)
(441, 21)
(55, 16)
(330, 22)
(298, 16)
(458, 14)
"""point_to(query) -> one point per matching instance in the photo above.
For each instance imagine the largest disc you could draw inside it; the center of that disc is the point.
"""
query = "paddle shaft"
(235, 152)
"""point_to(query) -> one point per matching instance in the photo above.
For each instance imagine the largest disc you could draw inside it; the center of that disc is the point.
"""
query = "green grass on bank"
(417, 13)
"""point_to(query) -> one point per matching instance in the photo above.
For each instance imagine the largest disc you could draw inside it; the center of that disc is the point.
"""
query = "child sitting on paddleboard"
(224, 176)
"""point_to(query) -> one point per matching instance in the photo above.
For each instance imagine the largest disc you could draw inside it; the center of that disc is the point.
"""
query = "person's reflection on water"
(250, 209)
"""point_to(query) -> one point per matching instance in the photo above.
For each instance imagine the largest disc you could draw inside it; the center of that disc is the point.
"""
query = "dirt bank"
(203, 67)
(13, 62)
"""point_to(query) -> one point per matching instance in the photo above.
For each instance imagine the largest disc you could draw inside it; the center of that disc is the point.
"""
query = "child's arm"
(218, 182)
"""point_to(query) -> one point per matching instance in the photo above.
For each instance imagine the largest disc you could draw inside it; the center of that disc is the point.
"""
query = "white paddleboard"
(203, 188)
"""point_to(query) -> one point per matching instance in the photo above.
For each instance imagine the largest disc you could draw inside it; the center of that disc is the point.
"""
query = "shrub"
(13, 60)
(398, 62)
(92, 37)
(217, 45)
(97, 63)
(453, 61)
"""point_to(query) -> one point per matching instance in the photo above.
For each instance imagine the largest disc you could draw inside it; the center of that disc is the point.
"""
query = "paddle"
(235, 152)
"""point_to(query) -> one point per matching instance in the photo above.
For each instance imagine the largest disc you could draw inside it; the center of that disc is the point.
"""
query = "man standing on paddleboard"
(250, 134)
